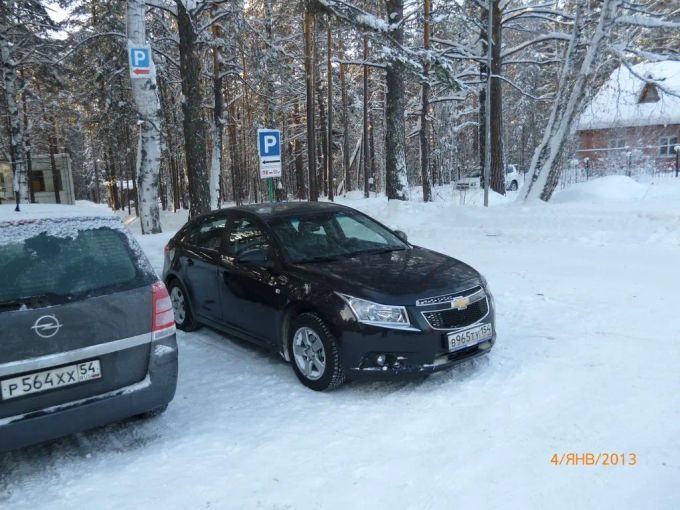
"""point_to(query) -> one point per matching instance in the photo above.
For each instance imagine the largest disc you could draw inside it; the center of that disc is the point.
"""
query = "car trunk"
(69, 300)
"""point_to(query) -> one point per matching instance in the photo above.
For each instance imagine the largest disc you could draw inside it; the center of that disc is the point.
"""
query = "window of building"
(617, 143)
(38, 181)
(649, 94)
(667, 145)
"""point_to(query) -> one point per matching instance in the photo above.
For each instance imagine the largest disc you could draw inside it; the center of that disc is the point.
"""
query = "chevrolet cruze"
(333, 291)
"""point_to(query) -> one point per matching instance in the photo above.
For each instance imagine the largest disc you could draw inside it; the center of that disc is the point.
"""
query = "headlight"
(375, 314)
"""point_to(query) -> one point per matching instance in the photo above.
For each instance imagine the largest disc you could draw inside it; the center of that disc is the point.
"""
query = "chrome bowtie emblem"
(47, 326)
(460, 302)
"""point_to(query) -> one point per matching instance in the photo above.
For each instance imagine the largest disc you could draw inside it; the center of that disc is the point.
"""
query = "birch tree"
(145, 94)
(21, 22)
(590, 31)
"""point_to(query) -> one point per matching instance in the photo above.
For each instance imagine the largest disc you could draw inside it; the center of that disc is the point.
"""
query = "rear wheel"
(315, 355)
(184, 318)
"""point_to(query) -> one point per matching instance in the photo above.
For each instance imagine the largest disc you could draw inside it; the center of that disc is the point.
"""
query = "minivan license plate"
(467, 337)
(50, 379)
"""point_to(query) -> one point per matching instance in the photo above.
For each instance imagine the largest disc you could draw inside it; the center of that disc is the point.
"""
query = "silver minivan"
(87, 332)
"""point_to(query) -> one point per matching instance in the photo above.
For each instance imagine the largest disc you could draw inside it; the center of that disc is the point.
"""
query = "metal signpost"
(269, 148)
(141, 63)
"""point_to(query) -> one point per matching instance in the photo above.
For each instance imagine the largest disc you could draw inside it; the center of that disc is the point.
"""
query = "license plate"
(50, 379)
(467, 337)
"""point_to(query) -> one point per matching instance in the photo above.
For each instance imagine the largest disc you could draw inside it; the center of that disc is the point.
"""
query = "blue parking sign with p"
(269, 143)
(139, 57)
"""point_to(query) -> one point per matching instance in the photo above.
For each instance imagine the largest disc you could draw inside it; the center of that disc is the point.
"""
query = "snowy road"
(587, 360)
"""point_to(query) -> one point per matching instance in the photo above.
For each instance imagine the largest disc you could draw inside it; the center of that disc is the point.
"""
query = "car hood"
(398, 277)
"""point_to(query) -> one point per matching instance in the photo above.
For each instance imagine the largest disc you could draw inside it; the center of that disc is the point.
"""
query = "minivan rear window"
(50, 269)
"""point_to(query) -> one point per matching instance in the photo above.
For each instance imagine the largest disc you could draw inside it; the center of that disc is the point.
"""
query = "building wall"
(42, 182)
(610, 147)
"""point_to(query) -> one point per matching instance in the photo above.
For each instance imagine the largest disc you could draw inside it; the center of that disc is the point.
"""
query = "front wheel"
(513, 186)
(315, 355)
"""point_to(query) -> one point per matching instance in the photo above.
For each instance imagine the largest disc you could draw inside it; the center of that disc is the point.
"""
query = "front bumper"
(409, 353)
(154, 391)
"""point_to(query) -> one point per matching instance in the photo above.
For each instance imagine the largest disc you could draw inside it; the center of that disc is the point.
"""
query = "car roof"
(33, 212)
(268, 211)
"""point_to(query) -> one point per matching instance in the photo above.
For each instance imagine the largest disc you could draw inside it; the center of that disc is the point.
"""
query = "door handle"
(190, 262)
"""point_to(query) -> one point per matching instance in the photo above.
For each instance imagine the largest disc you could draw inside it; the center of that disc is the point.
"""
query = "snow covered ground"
(587, 360)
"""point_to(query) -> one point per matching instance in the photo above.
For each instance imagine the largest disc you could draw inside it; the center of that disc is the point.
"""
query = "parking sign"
(141, 63)
(269, 149)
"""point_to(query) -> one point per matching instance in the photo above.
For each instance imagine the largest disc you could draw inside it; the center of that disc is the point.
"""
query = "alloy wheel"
(178, 305)
(309, 353)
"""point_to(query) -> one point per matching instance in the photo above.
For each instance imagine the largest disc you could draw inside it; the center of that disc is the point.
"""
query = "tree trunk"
(148, 104)
(56, 174)
(365, 122)
(233, 151)
(16, 149)
(218, 126)
(194, 126)
(297, 154)
(319, 95)
(311, 130)
(497, 181)
(329, 101)
(580, 61)
(425, 106)
(27, 140)
(395, 107)
(345, 126)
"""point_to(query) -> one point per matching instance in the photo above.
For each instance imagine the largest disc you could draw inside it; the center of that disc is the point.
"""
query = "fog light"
(380, 359)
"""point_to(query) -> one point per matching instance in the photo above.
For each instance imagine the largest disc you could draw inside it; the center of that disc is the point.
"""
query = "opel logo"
(47, 326)
(460, 302)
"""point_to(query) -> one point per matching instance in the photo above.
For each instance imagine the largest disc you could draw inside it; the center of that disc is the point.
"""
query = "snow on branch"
(354, 15)
(551, 36)
(156, 4)
(640, 20)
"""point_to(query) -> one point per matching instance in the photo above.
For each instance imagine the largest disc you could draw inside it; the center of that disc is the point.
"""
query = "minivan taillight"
(163, 322)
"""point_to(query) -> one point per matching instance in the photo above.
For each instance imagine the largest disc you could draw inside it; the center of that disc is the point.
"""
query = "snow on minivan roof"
(30, 212)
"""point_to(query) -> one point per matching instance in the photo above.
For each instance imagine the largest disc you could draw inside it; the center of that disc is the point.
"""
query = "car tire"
(314, 353)
(513, 186)
(184, 318)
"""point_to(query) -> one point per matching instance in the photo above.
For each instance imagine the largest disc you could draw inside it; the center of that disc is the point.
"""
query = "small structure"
(633, 121)
(42, 181)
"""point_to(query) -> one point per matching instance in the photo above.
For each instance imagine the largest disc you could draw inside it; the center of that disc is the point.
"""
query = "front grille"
(473, 293)
(453, 319)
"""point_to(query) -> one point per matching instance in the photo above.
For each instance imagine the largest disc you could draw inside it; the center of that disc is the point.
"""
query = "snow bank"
(613, 188)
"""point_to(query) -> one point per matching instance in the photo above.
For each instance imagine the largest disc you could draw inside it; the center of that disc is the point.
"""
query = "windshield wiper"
(29, 302)
(320, 258)
(374, 251)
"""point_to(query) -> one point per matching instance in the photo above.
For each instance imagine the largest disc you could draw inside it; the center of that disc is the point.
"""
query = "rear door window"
(49, 269)
(244, 236)
(208, 234)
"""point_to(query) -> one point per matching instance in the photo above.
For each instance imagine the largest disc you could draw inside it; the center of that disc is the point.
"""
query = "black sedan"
(335, 292)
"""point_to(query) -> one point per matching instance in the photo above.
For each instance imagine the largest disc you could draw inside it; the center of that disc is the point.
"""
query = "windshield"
(328, 236)
(50, 269)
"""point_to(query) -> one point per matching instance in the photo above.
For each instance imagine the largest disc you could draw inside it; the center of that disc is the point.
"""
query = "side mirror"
(401, 235)
(255, 257)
